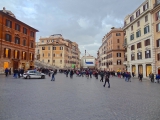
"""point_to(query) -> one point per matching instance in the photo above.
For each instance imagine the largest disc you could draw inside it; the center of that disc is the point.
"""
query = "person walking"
(102, 75)
(132, 74)
(71, 74)
(106, 80)
(90, 73)
(140, 77)
(157, 78)
(151, 75)
(129, 77)
(67, 73)
(53, 78)
(6, 72)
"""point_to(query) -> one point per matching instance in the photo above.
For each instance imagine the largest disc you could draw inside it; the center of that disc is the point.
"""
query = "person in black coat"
(106, 80)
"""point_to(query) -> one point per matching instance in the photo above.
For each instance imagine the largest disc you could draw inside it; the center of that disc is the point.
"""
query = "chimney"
(4, 8)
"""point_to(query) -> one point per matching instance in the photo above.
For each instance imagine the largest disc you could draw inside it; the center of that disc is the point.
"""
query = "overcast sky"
(82, 21)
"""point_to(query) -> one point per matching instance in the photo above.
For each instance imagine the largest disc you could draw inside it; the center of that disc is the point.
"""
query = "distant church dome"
(8, 12)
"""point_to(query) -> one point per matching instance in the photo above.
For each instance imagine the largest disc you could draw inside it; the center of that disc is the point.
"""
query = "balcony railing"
(156, 3)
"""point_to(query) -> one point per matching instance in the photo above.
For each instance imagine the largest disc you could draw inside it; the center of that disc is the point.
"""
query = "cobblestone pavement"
(78, 99)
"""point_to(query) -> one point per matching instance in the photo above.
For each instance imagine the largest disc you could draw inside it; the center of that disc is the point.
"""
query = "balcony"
(156, 3)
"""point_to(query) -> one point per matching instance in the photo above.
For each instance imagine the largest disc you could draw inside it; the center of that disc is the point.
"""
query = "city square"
(78, 99)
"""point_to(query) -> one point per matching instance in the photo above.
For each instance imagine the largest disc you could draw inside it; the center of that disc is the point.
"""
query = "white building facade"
(139, 41)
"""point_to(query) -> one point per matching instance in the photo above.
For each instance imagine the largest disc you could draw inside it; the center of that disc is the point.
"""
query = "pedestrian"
(129, 77)
(151, 75)
(90, 73)
(140, 77)
(106, 80)
(53, 78)
(6, 72)
(132, 74)
(67, 73)
(157, 78)
(71, 74)
(102, 75)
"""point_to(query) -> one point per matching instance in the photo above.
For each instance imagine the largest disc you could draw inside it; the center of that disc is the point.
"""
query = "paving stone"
(78, 99)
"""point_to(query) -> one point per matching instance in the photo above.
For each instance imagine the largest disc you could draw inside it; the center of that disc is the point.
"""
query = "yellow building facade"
(59, 52)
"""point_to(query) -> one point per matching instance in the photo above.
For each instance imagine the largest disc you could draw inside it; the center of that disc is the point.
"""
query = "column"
(144, 70)
(136, 74)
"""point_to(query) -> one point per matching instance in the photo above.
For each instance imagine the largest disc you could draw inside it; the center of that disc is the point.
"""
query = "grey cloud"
(82, 21)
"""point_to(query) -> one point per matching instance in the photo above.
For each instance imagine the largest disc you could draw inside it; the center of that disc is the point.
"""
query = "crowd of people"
(89, 73)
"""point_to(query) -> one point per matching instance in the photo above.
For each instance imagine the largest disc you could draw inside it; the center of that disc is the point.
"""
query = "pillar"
(136, 74)
(144, 70)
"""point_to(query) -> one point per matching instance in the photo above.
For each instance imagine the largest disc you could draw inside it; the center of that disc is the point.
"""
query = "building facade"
(111, 53)
(138, 40)
(88, 62)
(59, 52)
(17, 42)
(156, 30)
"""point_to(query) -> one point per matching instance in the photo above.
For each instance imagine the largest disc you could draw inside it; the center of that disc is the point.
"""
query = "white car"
(33, 74)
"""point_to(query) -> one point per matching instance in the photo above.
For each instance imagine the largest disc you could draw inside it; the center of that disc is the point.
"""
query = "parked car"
(33, 74)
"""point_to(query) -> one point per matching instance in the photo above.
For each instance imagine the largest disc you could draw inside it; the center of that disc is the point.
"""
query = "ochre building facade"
(17, 42)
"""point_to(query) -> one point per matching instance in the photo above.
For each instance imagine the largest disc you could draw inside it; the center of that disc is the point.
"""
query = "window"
(24, 30)
(48, 61)
(17, 27)
(61, 61)
(147, 42)
(61, 54)
(132, 47)
(9, 23)
(7, 53)
(48, 48)
(43, 54)
(17, 40)
(43, 48)
(139, 55)
(118, 62)
(146, 30)
(48, 54)
(138, 33)
(54, 48)
(146, 18)
(132, 57)
(158, 56)
(138, 13)
(158, 43)
(32, 34)
(117, 40)
(16, 54)
(139, 45)
(8, 37)
(53, 55)
(118, 47)
(148, 54)
(131, 18)
(157, 15)
(138, 23)
(118, 34)
(23, 55)
(158, 27)
(31, 44)
(118, 54)
(24, 42)
(61, 48)
(132, 37)
(132, 28)
(145, 7)
(31, 56)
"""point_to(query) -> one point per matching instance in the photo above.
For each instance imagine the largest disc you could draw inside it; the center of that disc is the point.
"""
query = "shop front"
(140, 69)
(148, 69)
(134, 68)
